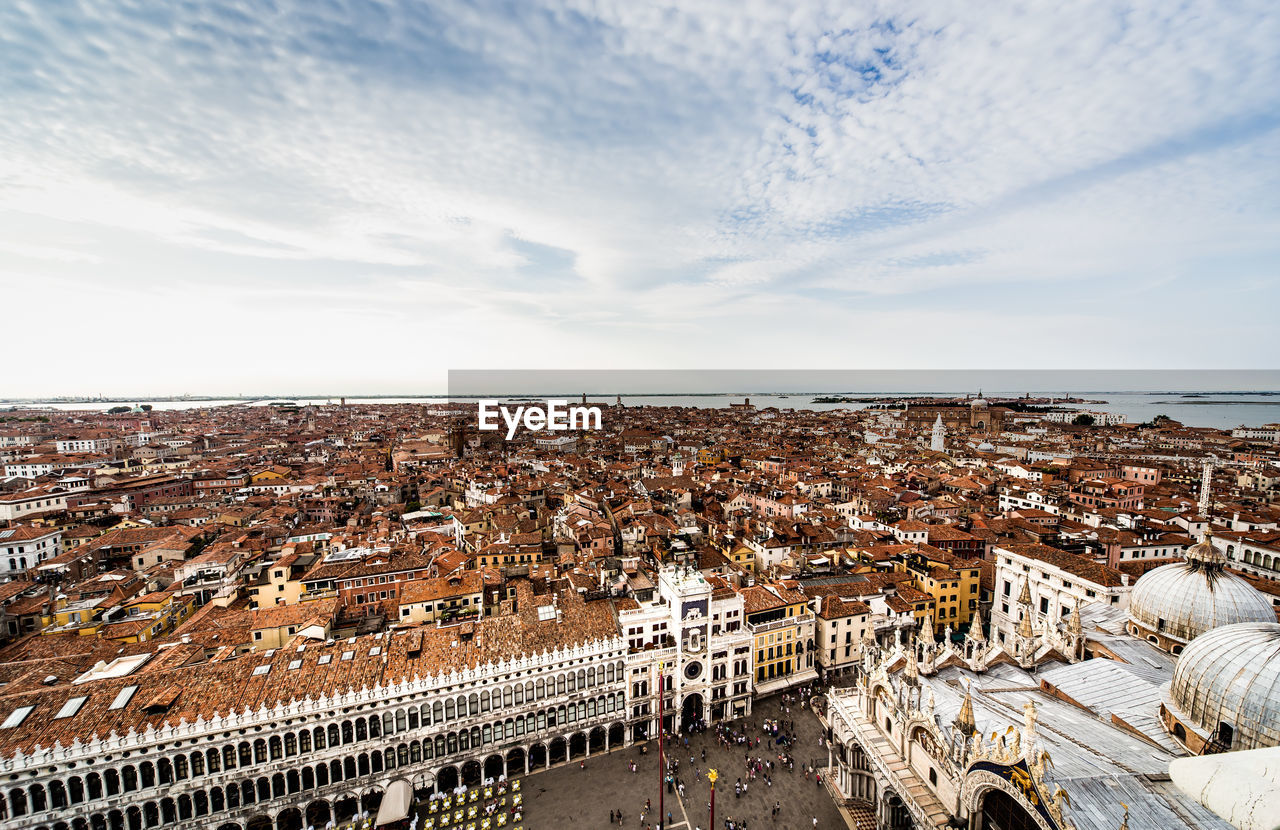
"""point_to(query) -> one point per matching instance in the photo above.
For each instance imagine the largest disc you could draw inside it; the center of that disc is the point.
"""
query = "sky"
(335, 196)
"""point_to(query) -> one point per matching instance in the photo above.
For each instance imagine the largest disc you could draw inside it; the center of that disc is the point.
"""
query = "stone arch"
(597, 739)
(516, 759)
(976, 785)
(494, 767)
(691, 711)
(895, 815)
(1000, 809)
(290, 818)
(370, 800)
(577, 745)
(318, 813)
(447, 779)
(345, 808)
(260, 822)
(537, 756)
(472, 773)
(617, 734)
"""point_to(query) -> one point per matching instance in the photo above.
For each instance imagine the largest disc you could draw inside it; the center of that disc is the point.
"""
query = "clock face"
(692, 670)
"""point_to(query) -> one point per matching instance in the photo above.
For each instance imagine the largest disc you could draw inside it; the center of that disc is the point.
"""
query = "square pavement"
(568, 797)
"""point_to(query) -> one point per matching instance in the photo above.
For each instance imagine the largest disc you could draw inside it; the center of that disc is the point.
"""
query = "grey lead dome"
(1231, 676)
(1185, 599)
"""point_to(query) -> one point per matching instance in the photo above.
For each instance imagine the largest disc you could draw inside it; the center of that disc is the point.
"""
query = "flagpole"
(712, 775)
(662, 764)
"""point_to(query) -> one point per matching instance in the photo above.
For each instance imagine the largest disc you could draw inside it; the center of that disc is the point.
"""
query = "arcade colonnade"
(284, 770)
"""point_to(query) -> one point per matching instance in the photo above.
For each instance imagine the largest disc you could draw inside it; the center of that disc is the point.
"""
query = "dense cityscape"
(950, 613)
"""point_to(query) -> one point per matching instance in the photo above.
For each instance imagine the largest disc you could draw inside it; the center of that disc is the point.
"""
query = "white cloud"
(485, 181)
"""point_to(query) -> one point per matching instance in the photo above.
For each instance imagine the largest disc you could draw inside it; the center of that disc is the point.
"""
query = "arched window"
(362, 730)
(290, 744)
(275, 748)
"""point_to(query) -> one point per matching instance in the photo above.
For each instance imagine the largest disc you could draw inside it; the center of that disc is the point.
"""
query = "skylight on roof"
(375, 651)
(261, 670)
(122, 699)
(71, 707)
(16, 717)
(347, 655)
(295, 664)
(325, 659)
(546, 612)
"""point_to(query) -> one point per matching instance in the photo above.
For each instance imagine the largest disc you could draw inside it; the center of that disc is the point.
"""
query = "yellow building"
(459, 595)
(149, 616)
(279, 584)
(273, 627)
(782, 631)
(82, 616)
(742, 555)
(269, 474)
(953, 583)
(710, 455)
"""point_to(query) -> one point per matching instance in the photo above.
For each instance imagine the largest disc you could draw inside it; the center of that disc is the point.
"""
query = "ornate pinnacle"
(964, 721)
(975, 627)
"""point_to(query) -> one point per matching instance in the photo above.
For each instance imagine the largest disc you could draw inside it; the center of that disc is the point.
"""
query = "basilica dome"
(1174, 604)
(1226, 687)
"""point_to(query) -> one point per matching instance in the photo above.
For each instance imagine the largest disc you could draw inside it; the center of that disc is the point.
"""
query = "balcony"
(785, 622)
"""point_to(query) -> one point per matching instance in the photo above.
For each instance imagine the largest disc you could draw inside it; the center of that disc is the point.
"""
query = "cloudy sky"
(322, 196)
